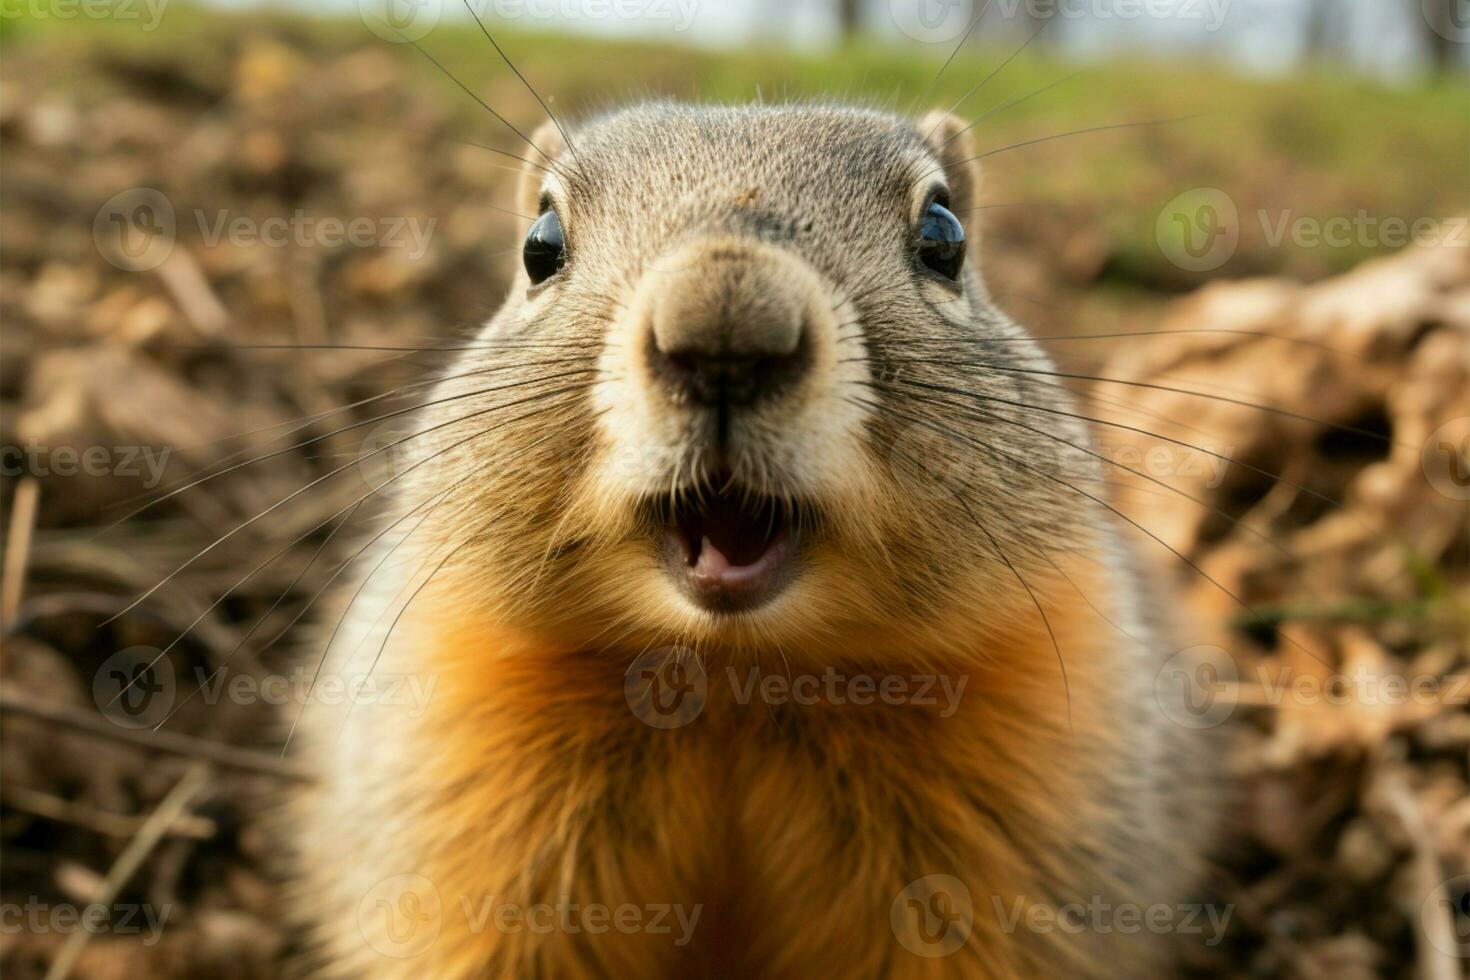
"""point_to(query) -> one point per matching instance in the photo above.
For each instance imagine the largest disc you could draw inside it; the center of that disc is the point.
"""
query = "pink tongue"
(714, 567)
(727, 537)
(712, 562)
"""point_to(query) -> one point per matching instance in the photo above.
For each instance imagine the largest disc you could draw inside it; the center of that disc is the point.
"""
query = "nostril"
(729, 379)
(710, 379)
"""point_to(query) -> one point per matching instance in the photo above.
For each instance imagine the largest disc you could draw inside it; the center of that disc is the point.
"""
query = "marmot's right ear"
(948, 138)
(549, 144)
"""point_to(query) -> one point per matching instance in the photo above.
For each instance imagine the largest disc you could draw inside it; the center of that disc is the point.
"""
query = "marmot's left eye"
(942, 241)
(545, 250)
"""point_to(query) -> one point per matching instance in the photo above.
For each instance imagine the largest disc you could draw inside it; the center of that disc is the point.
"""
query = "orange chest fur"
(544, 778)
(728, 751)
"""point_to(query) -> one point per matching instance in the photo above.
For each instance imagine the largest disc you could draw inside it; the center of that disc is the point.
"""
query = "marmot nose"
(727, 379)
(726, 333)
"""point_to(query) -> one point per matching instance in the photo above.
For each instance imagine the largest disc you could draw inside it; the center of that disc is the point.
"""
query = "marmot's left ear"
(948, 138)
(549, 143)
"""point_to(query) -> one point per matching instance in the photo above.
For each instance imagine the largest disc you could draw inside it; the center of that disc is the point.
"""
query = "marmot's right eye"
(545, 249)
(942, 241)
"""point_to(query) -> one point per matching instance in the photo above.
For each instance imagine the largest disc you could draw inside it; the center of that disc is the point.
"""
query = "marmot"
(770, 613)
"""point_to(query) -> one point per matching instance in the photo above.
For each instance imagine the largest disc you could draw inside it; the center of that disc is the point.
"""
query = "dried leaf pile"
(1334, 549)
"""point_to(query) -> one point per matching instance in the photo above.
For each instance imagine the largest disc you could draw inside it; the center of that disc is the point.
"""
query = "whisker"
(1059, 136)
(435, 499)
(1276, 477)
(353, 505)
(1094, 397)
(302, 422)
(486, 106)
(1046, 620)
(443, 495)
(394, 625)
(441, 349)
(346, 428)
(1122, 334)
(942, 430)
(997, 110)
(555, 536)
(994, 72)
(218, 541)
(225, 663)
(923, 96)
(341, 619)
(983, 416)
(1271, 409)
(463, 142)
(1090, 604)
(529, 87)
(1016, 204)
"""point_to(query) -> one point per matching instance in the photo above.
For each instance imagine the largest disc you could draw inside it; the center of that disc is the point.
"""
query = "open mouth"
(731, 549)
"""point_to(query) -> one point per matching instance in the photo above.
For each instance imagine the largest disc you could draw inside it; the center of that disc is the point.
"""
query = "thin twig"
(39, 804)
(1434, 921)
(191, 290)
(227, 756)
(23, 508)
(132, 857)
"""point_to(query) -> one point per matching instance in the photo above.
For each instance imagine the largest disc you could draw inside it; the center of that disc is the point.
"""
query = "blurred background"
(232, 236)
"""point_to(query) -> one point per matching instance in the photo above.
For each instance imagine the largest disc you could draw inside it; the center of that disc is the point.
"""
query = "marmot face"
(746, 392)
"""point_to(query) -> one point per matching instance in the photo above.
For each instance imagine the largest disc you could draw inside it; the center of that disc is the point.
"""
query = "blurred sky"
(1383, 37)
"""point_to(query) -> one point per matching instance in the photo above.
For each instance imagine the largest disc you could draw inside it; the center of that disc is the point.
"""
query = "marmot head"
(749, 392)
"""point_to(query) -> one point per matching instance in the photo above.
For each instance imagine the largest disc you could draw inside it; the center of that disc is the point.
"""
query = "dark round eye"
(545, 250)
(942, 241)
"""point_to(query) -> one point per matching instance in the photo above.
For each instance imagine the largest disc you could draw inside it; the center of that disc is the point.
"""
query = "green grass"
(1315, 146)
